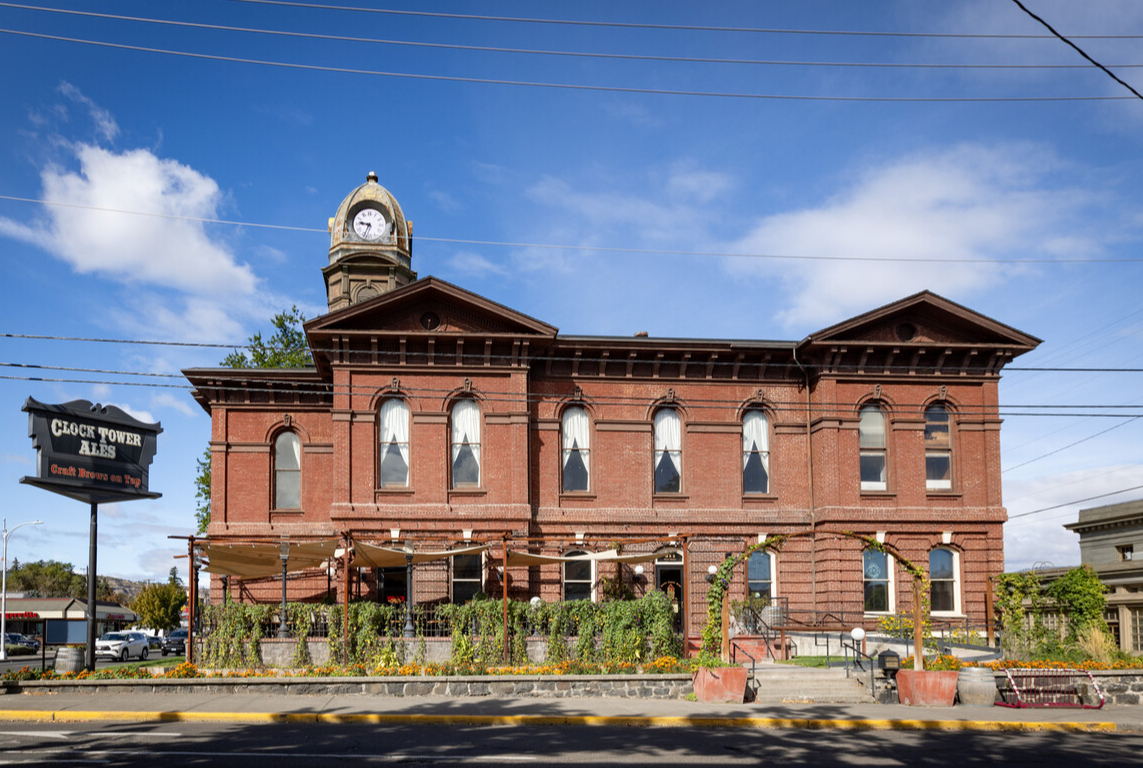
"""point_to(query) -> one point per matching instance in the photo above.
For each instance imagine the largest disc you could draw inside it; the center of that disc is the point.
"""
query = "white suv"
(122, 645)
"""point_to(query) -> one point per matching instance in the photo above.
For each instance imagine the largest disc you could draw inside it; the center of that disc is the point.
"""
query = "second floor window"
(668, 451)
(871, 439)
(394, 444)
(576, 457)
(755, 453)
(287, 471)
(465, 444)
(938, 449)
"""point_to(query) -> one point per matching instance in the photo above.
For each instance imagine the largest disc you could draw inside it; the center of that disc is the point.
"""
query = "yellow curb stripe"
(591, 720)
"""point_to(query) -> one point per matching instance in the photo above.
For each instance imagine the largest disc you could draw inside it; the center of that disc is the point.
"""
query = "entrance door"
(669, 578)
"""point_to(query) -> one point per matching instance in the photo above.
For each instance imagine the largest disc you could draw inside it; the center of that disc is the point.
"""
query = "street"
(19, 662)
(286, 746)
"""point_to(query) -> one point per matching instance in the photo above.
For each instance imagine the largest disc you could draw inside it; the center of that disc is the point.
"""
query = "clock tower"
(370, 246)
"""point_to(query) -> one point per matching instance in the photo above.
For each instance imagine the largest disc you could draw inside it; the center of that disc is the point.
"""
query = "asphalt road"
(295, 746)
(18, 662)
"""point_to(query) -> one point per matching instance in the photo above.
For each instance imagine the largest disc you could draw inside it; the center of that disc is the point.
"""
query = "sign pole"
(90, 665)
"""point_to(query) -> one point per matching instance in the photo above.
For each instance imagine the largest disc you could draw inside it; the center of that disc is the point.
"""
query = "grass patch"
(816, 662)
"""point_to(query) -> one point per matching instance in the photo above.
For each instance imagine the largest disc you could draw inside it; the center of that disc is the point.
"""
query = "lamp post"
(4, 592)
(409, 632)
(284, 552)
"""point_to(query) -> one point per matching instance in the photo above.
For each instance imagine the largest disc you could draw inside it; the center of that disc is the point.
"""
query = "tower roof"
(368, 194)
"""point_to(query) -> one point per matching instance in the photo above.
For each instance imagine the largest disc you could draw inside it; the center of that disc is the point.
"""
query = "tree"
(287, 348)
(1080, 596)
(173, 577)
(160, 606)
(47, 578)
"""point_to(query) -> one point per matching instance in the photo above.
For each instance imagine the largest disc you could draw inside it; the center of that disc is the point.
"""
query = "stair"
(788, 684)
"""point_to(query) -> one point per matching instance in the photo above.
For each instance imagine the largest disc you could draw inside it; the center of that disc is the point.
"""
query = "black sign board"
(92, 453)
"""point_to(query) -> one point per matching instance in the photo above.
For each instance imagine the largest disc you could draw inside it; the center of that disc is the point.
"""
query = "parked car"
(15, 638)
(154, 642)
(122, 645)
(175, 643)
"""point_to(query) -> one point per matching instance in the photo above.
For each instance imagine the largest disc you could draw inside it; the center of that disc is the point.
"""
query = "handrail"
(734, 648)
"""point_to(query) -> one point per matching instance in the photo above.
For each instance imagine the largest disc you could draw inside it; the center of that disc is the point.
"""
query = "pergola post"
(918, 620)
(345, 622)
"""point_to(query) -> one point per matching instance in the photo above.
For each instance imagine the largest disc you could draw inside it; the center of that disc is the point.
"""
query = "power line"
(555, 358)
(590, 248)
(1078, 50)
(545, 52)
(566, 86)
(1072, 445)
(1075, 501)
(678, 27)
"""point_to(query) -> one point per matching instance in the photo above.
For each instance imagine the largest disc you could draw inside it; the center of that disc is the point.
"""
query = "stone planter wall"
(279, 654)
(532, 686)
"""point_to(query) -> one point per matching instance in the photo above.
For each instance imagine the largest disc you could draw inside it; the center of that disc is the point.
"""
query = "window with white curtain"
(871, 437)
(576, 466)
(755, 452)
(287, 471)
(465, 444)
(394, 444)
(938, 449)
(877, 574)
(668, 451)
(760, 576)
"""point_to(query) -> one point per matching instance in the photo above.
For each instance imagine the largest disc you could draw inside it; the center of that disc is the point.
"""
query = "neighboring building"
(436, 414)
(1111, 542)
(26, 614)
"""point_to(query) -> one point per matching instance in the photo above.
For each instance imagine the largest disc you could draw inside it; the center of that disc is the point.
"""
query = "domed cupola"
(370, 246)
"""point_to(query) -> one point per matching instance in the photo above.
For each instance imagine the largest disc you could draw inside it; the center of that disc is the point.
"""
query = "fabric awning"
(373, 556)
(255, 560)
(610, 556)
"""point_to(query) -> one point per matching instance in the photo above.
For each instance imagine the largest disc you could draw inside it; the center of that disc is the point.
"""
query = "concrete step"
(783, 683)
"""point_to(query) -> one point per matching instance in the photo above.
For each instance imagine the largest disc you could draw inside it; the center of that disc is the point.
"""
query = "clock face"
(370, 224)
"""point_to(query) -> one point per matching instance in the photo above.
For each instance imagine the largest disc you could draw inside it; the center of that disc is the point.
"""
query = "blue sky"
(962, 188)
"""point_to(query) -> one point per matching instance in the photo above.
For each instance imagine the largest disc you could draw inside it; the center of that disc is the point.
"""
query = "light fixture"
(284, 553)
(638, 570)
(4, 593)
(857, 633)
(409, 632)
(467, 534)
(395, 533)
(710, 572)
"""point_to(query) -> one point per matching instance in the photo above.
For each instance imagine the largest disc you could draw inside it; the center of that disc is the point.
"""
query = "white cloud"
(472, 264)
(182, 404)
(968, 202)
(104, 123)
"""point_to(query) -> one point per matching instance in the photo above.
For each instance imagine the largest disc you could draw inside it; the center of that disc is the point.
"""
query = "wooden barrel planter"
(70, 659)
(976, 686)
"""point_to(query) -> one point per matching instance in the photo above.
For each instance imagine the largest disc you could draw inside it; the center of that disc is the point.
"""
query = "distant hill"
(130, 589)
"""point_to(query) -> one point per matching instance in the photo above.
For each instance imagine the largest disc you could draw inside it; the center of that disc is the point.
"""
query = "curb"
(772, 723)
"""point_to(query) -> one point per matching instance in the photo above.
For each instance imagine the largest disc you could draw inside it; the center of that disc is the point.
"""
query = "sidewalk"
(252, 708)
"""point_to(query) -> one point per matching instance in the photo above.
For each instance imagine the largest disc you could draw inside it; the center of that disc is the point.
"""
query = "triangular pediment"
(430, 305)
(925, 319)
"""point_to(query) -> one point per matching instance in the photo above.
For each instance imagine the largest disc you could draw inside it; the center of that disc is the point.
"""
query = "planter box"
(927, 688)
(723, 685)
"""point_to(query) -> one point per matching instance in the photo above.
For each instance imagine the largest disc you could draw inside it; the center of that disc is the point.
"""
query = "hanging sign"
(93, 453)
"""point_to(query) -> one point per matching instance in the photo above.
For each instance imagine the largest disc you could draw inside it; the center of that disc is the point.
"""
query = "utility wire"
(544, 52)
(680, 27)
(1075, 501)
(1077, 442)
(479, 356)
(590, 248)
(566, 86)
(1079, 50)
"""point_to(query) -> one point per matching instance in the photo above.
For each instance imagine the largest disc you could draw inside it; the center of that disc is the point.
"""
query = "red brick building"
(436, 415)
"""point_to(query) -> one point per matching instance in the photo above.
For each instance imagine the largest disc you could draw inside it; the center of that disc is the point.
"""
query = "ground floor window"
(392, 584)
(877, 578)
(577, 578)
(467, 577)
(760, 576)
(943, 592)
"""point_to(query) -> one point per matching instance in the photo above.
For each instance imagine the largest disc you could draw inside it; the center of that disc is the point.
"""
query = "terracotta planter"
(927, 688)
(726, 685)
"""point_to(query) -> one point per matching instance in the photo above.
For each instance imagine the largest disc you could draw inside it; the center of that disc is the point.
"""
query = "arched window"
(938, 449)
(877, 574)
(576, 466)
(465, 444)
(668, 451)
(467, 576)
(755, 452)
(577, 577)
(760, 576)
(394, 444)
(287, 471)
(943, 577)
(871, 438)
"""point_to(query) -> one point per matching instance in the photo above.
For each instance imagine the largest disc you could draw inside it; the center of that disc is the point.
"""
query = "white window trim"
(563, 576)
(891, 565)
(957, 610)
(773, 574)
(874, 485)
